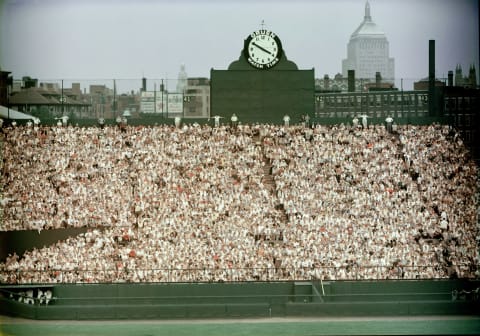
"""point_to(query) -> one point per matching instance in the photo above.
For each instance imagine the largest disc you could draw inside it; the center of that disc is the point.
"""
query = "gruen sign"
(263, 49)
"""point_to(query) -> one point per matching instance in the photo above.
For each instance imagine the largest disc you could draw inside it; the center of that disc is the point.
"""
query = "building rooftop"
(368, 27)
(40, 96)
(30, 97)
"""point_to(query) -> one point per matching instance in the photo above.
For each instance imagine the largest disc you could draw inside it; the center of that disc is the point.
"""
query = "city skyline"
(90, 40)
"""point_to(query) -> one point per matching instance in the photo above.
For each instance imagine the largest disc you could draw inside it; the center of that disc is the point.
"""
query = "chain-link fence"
(86, 101)
(159, 100)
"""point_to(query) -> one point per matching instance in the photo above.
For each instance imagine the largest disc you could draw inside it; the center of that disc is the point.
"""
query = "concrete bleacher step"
(269, 183)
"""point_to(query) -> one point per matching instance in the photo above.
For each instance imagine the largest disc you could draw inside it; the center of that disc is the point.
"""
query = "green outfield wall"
(251, 299)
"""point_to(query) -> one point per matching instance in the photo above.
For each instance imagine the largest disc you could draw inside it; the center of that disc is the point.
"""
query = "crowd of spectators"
(366, 197)
(193, 203)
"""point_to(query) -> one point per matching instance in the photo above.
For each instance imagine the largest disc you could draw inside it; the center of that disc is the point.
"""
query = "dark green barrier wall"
(256, 299)
(262, 96)
(174, 293)
(381, 121)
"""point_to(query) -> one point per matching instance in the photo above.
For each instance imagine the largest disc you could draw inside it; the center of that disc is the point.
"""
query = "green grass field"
(275, 326)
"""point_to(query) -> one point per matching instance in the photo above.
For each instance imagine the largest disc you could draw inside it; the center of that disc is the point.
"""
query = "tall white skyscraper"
(368, 51)
(182, 80)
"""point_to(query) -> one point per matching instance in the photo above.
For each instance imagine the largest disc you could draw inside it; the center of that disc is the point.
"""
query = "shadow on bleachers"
(24, 240)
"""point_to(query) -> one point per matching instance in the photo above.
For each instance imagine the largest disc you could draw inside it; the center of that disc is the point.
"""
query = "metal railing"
(121, 275)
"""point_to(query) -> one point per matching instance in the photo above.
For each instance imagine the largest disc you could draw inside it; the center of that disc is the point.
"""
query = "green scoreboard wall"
(263, 96)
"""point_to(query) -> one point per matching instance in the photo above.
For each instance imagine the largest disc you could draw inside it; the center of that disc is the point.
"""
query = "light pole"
(166, 93)
(8, 103)
(401, 90)
(161, 90)
(62, 100)
(114, 98)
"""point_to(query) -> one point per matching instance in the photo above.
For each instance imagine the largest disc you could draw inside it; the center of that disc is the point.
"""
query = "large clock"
(263, 49)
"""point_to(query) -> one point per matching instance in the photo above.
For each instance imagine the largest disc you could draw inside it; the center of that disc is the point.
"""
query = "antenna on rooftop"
(262, 24)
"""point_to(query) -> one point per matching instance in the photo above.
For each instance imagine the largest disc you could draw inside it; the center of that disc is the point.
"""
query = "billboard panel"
(147, 102)
(161, 102)
(175, 104)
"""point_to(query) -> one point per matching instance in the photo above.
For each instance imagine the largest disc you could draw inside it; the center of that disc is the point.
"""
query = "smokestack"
(351, 80)
(326, 82)
(378, 79)
(450, 78)
(144, 84)
(431, 77)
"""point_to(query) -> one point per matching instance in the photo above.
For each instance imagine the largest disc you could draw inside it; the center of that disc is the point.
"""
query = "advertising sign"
(147, 102)
(175, 104)
(170, 104)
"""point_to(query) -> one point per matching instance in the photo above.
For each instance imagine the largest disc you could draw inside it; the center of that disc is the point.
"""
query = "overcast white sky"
(96, 39)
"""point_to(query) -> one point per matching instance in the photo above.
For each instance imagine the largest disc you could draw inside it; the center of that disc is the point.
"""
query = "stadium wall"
(250, 299)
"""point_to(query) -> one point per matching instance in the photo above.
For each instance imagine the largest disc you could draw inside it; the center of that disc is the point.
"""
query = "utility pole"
(114, 97)
(62, 99)
(161, 90)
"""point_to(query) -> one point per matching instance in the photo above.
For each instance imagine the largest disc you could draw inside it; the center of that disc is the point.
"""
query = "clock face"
(263, 49)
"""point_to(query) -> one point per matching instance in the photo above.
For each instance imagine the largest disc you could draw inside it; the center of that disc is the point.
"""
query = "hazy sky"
(95, 39)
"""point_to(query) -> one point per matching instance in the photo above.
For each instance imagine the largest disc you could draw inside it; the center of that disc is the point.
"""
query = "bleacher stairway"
(269, 183)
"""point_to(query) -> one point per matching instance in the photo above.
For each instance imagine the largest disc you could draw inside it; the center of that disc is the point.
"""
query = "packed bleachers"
(195, 203)
(365, 197)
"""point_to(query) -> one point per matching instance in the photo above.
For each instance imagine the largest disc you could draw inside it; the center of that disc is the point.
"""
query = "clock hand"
(263, 49)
